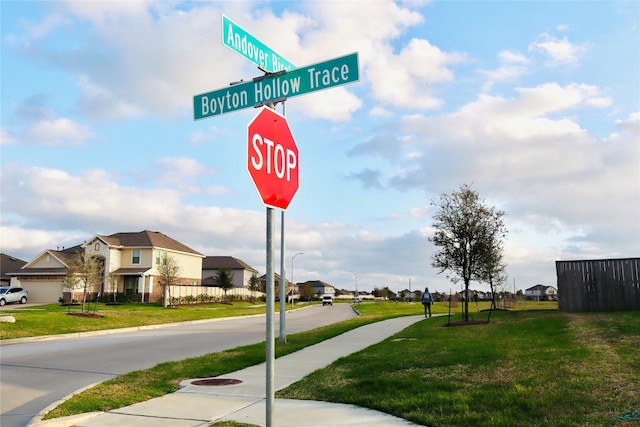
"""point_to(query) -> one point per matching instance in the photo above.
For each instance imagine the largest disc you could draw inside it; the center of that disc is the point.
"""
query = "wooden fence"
(599, 285)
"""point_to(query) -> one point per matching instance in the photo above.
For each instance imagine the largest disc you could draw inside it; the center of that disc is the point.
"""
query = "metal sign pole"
(283, 283)
(283, 278)
(270, 356)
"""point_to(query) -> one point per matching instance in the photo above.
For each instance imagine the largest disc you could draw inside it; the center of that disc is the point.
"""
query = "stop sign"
(273, 161)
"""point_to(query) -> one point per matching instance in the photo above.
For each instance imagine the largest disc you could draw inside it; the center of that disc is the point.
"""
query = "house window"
(135, 256)
(161, 256)
(96, 247)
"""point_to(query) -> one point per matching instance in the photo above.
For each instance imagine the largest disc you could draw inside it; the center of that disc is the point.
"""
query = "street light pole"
(355, 283)
(292, 282)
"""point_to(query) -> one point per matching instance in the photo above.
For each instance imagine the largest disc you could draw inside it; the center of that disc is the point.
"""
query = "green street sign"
(243, 43)
(270, 88)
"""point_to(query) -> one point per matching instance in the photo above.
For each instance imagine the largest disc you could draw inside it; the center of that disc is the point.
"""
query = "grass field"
(525, 368)
(52, 319)
(530, 366)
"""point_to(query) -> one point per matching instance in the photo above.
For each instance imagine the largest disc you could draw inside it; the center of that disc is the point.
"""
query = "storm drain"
(215, 382)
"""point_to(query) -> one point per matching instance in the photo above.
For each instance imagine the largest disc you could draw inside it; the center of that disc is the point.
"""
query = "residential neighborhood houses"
(7, 264)
(541, 293)
(130, 272)
(240, 271)
(129, 264)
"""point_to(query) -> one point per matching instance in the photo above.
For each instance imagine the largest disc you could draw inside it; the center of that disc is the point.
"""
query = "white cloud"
(39, 30)
(30, 242)
(171, 57)
(405, 80)
(64, 210)
(512, 65)
(511, 57)
(630, 125)
(6, 137)
(182, 173)
(104, 13)
(531, 115)
(560, 51)
(337, 104)
(62, 132)
(380, 112)
(176, 51)
(422, 213)
(524, 152)
(102, 103)
(183, 166)
(331, 33)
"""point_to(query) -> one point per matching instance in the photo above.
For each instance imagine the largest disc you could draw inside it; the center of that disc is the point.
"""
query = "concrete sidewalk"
(200, 405)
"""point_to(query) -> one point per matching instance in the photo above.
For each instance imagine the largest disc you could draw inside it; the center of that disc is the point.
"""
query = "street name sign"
(267, 89)
(243, 43)
(273, 160)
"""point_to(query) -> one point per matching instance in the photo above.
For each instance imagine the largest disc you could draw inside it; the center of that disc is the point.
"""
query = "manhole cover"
(216, 382)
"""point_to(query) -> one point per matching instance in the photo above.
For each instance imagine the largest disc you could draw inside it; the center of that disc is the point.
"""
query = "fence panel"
(599, 285)
(187, 294)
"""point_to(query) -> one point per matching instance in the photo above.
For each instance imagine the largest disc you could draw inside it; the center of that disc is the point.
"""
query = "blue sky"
(535, 104)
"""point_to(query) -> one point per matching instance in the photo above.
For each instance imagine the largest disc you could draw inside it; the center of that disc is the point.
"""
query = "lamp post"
(355, 283)
(292, 282)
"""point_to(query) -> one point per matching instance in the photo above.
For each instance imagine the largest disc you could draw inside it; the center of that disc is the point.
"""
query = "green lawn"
(54, 319)
(525, 368)
(529, 366)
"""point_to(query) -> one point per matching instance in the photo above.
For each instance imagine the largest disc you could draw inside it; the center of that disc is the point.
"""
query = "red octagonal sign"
(273, 161)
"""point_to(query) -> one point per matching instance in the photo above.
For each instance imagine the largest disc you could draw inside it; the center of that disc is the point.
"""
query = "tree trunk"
(84, 296)
(466, 301)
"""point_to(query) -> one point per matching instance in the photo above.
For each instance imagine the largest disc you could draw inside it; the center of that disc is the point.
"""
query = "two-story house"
(319, 287)
(541, 292)
(130, 262)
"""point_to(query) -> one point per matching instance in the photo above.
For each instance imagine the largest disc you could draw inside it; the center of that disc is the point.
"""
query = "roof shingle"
(147, 239)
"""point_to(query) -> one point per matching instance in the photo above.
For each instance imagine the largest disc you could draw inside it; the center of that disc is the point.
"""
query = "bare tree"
(468, 236)
(168, 272)
(83, 272)
(112, 286)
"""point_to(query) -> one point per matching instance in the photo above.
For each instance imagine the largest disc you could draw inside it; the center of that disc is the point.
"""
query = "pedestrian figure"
(426, 301)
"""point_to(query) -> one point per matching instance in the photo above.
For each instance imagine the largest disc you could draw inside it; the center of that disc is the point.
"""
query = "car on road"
(327, 299)
(8, 295)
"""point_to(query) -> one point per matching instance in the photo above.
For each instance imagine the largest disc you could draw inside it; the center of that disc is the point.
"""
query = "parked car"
(8, 295)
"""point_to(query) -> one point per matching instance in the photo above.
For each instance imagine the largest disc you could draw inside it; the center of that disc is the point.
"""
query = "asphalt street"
(34, 375)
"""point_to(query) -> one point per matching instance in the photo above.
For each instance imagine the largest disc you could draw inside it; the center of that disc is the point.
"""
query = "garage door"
(43, 292)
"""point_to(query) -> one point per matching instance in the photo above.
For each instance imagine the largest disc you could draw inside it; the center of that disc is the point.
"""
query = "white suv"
(327, 299)
(8, 294)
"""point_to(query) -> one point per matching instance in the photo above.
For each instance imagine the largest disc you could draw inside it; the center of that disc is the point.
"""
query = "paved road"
(37, 374)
